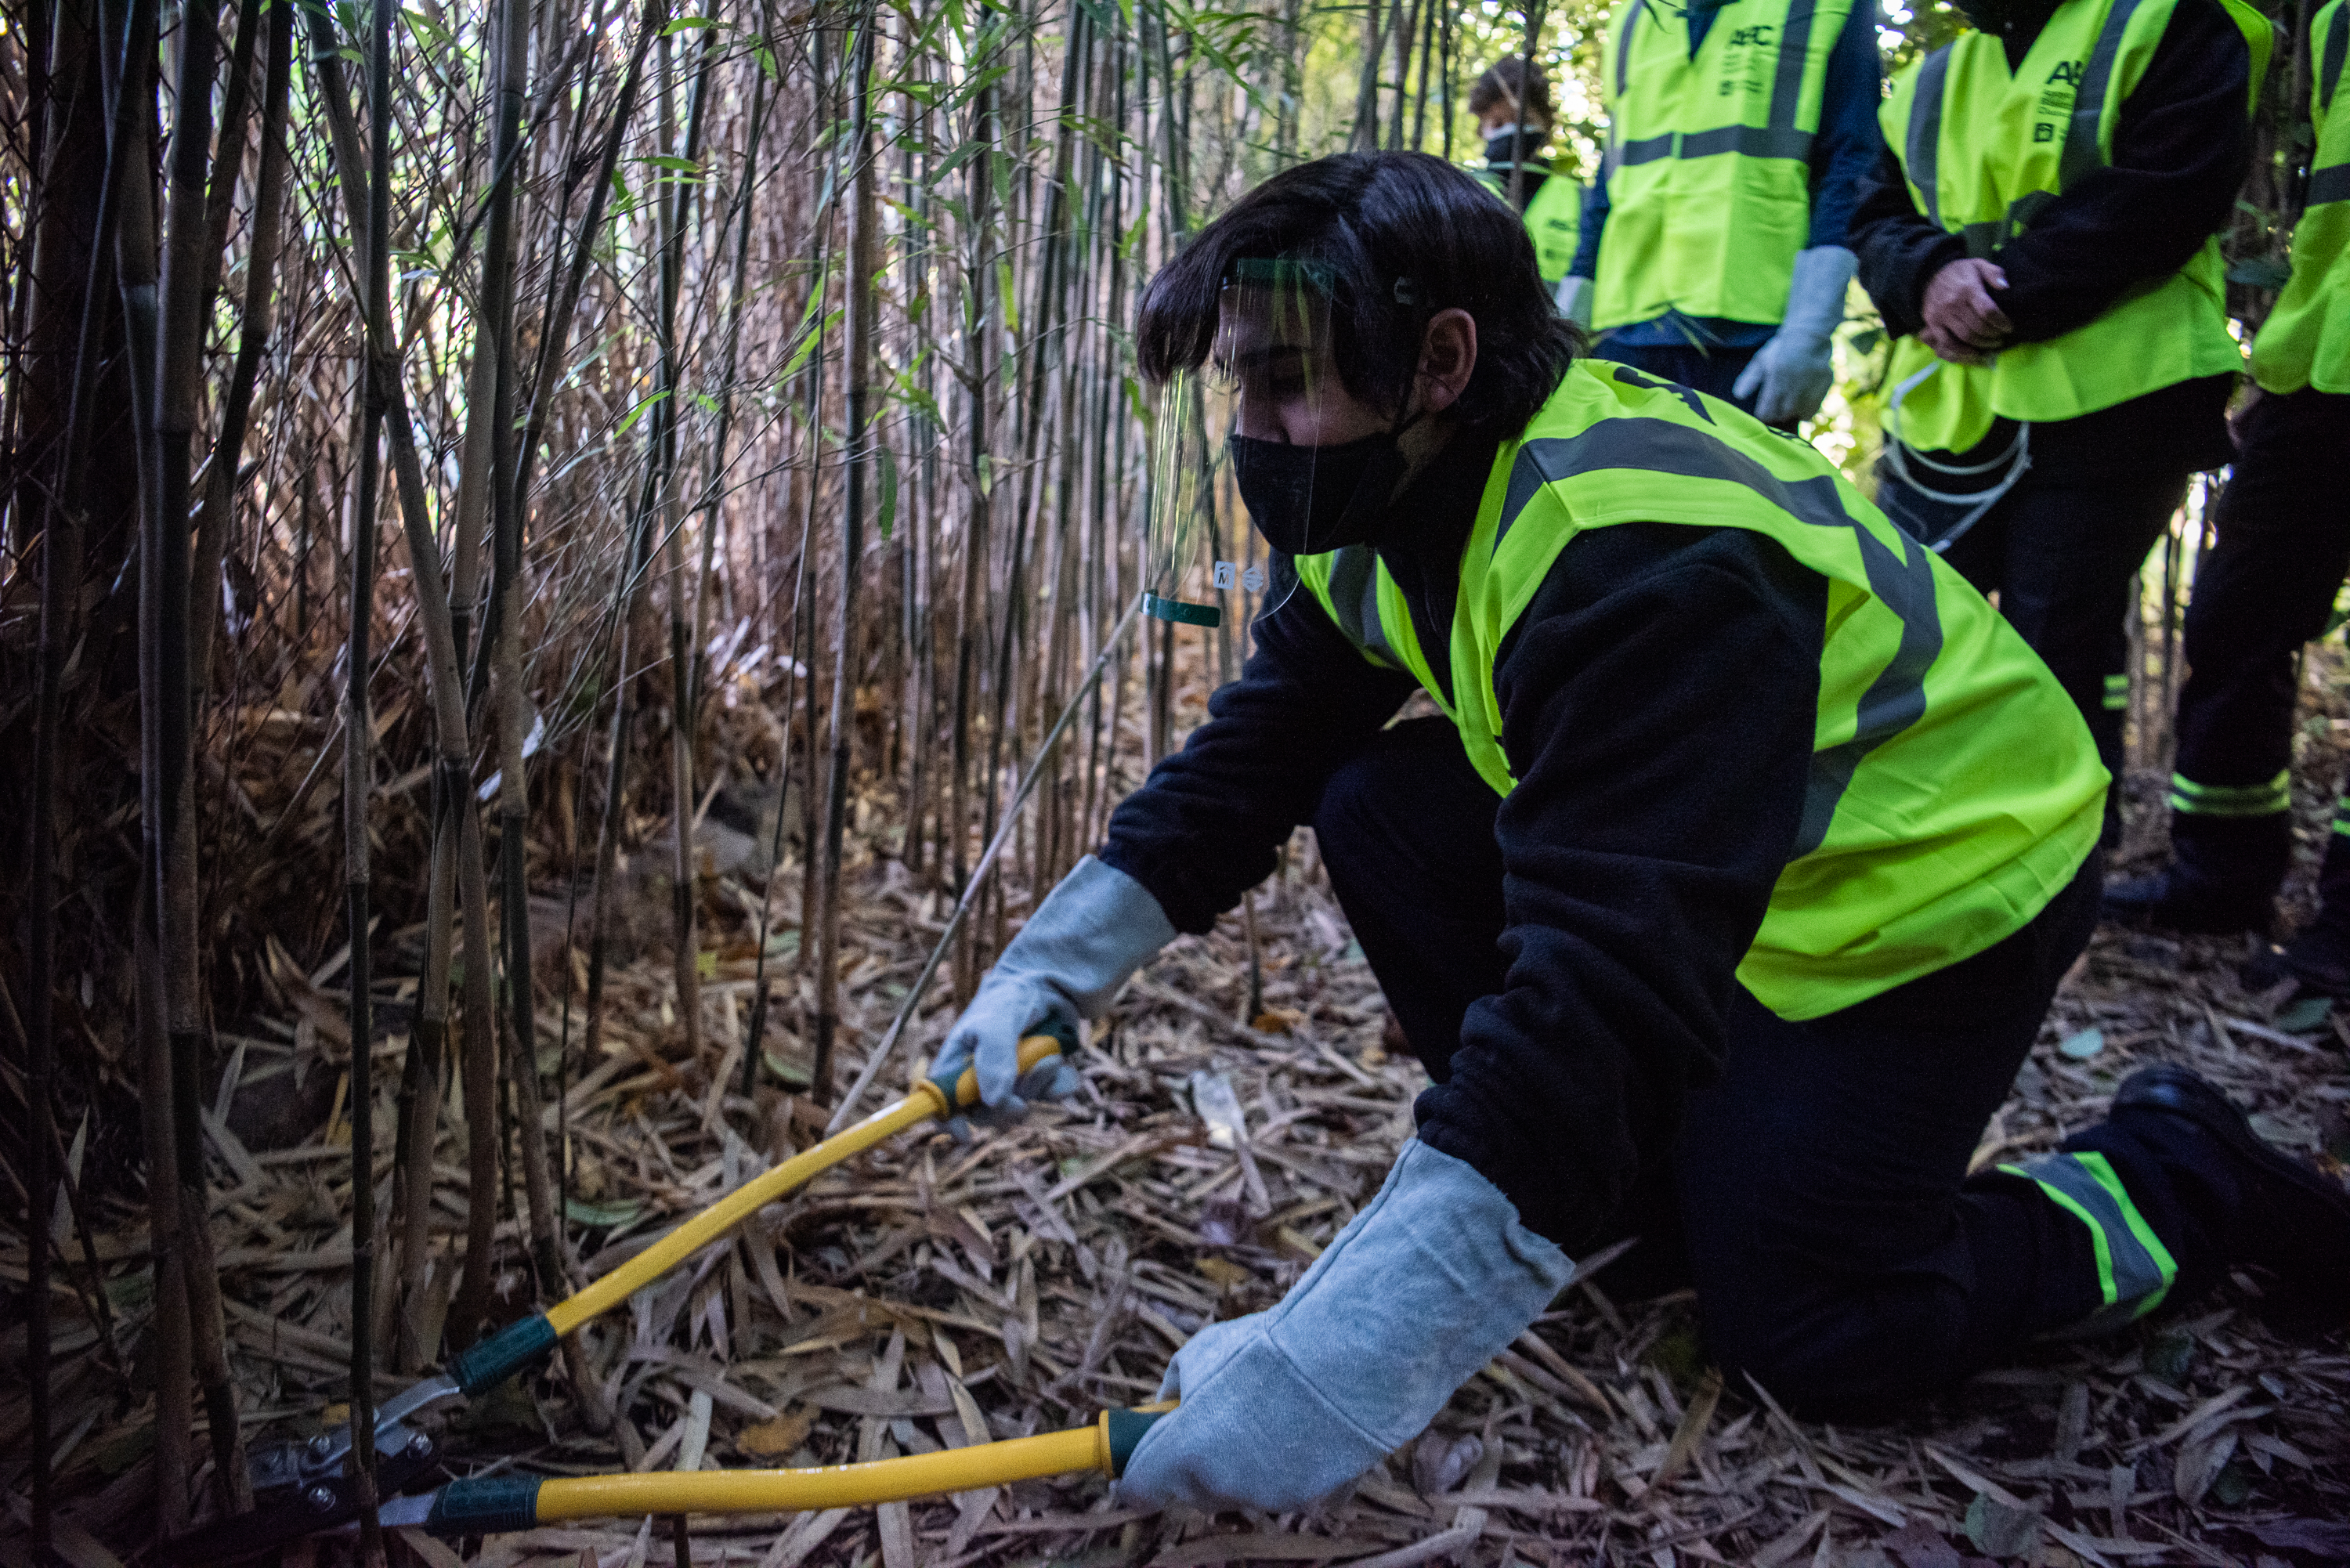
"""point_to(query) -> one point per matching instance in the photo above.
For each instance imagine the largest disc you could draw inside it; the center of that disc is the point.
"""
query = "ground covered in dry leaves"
(934, 1294)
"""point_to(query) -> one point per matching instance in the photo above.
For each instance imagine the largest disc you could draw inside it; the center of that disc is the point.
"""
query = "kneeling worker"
(1515, 125)
(1722, 909)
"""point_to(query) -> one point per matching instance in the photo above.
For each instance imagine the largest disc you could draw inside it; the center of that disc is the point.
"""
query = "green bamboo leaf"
(808, 343)
(633, 415)
(428, 31)
(888, 517)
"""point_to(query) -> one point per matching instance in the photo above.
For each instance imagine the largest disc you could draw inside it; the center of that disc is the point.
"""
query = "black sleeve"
(1661, 727)
(2182, 146)
(1850, 91)
(1898, 247)
(1208, 824)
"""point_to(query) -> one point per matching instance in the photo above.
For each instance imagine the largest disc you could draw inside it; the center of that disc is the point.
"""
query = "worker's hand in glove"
(1284, 1407)
(1097, 928)
(1962, 323)
(1791, 374)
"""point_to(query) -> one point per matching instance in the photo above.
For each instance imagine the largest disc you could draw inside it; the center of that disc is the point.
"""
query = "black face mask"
(1999, 17)
(1500, 144)
(1309, 500)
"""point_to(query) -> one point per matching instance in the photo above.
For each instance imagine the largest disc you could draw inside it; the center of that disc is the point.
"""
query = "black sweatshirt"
(1659, 702)
(2182, 145)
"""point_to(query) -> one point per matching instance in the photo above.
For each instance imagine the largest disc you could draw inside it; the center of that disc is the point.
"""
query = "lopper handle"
(495, 1503)
(1057, 1040)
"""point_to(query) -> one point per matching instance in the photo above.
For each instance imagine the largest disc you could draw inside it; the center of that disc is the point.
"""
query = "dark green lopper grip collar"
(502, 1354)
(1126, 1429)
(485, 1506)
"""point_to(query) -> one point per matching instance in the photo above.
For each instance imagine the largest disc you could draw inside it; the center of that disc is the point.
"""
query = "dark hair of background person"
(1500, 85)
(1375, 220)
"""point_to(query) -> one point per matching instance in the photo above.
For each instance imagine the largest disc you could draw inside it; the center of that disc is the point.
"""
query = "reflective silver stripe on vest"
(1904, 583)
(1624, 49)
(2331, 183)
(1926, 130)
(2082, 154)
(2337, 48)
(1754, 140)
(1787, 87)
(1646, 150)
(2137, 1277)
(1780, 138)
(1355, 601)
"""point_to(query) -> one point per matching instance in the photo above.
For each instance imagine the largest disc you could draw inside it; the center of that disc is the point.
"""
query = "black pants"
(1708, 371)
(2265, 588)
(2062, 551)
(1816, 1193)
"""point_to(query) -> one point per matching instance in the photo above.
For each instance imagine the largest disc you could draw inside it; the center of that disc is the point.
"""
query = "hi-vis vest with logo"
(2305, 342)
(1708, 160)
(1985, 149)
(1954, 789)
(1554, 218)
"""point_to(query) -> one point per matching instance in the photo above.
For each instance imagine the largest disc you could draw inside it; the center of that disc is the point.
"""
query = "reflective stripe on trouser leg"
(2116, 694)
(2191, 799)
(2342, 816)
(2135, 1269)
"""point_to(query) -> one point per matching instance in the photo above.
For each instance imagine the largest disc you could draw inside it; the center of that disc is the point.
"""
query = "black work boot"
(2318, 957)
(2261, 1206)
(2170, 901)
(2224, 875)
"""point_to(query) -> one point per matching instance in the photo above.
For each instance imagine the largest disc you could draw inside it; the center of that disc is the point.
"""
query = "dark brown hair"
(1402, 235)
(1500, 85)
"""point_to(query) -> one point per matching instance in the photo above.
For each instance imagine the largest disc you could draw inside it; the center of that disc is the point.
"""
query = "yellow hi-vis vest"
(1709, 159)
(1954, 789)
(1984, 150)
(1554, 219)
(2305, 342)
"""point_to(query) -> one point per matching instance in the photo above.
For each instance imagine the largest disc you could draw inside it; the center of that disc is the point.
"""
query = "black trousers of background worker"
(2264, 589)
(1816, 1193)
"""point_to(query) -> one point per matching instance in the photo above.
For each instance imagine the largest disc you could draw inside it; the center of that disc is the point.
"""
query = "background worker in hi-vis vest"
(1514, 131)
(1721, 899)
(2040, 235)
(1716, 246)
(2266, 587)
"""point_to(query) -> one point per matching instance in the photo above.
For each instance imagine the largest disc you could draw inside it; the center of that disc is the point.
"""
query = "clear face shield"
(1269, 380)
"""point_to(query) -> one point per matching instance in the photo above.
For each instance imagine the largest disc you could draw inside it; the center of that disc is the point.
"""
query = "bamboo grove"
(520, 422)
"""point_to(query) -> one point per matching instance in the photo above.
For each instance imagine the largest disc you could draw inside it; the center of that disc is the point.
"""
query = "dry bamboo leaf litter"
(931, 1295)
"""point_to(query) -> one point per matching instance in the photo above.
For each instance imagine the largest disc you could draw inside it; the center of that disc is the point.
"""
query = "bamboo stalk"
(863, 257)
(358, 747)
(178, 376)
(257, 318)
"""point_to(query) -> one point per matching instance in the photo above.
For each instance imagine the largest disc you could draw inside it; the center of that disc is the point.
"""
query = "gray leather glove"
(1283, 1407)
(1574, 300)
(1096, 928)
(1795, 368)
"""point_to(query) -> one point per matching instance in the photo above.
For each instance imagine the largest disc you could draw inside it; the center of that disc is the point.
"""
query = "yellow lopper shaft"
(832, 1486)
(929, 1099)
